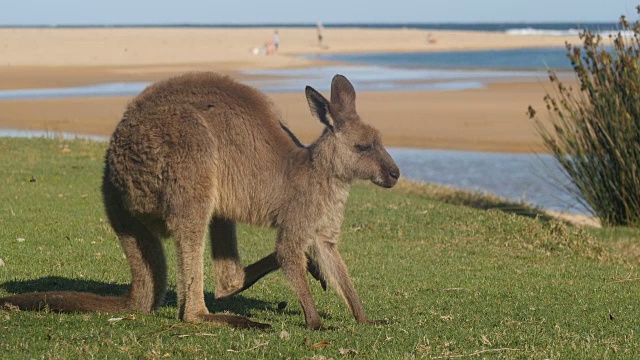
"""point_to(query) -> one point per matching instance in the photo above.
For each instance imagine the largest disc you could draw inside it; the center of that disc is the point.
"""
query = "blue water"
(516, 59)
(105, 89)
(48, 135)
(368, 77)
(448, 70)
(531, 178)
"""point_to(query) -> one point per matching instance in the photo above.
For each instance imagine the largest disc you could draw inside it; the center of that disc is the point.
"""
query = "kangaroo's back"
(198, 136)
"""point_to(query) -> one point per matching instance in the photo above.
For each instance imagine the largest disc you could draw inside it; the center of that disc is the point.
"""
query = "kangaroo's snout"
(392, 177)
(388, 174)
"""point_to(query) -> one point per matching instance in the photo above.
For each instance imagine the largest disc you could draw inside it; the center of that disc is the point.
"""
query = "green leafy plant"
(595, 131)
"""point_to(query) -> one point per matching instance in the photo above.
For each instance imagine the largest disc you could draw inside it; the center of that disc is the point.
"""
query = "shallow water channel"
(531, 178)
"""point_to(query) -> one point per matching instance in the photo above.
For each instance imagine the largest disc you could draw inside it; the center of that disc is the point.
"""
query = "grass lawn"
(455, 280)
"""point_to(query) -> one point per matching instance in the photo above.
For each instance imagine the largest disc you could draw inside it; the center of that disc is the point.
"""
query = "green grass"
(454, 280)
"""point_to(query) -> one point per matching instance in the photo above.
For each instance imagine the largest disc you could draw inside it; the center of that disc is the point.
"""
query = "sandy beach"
(491, 119)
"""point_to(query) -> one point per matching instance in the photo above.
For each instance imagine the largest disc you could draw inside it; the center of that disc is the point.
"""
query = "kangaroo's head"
(350, 148)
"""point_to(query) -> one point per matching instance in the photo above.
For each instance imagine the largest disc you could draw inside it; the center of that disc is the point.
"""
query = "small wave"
(569, 32)
(533, 31)
(626, 34)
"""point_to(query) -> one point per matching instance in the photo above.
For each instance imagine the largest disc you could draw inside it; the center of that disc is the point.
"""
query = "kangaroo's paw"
(225, 293)
(230, 282)
(230, 287)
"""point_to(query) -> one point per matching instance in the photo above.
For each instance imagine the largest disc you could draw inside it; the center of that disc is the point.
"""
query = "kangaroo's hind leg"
(143, 250)
(189, 232)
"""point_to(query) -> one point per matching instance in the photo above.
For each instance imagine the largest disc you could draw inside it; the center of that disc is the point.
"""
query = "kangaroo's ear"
(319, 107)
(343, 95)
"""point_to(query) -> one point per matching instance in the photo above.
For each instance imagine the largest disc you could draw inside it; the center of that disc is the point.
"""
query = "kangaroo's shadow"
(56, 283)
(238, 304)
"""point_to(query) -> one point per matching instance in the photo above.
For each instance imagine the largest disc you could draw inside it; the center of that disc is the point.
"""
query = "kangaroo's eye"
(364, 147)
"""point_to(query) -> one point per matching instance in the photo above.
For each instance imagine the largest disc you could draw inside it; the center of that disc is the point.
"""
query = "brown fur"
(201, 151)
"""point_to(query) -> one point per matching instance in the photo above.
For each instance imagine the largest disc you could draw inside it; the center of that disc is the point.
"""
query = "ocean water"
(539, 59)
(528, 28)
(424, 71)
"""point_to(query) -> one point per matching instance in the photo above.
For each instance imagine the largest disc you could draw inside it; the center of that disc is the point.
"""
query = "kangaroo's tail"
(66, 302)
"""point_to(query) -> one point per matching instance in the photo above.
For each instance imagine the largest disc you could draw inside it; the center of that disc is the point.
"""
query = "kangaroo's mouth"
(387, 177)
(388, 183)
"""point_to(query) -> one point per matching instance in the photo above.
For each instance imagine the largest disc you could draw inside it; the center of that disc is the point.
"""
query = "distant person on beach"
(430, 39)
(320, 29)
(276, 40)
(269, 48)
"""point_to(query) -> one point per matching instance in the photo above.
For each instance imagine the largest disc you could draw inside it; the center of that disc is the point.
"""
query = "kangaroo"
(202, 152)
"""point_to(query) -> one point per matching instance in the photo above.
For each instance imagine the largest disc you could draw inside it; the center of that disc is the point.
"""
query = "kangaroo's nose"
(395, 174)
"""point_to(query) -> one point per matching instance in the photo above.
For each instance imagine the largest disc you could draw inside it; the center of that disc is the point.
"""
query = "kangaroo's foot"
(235, 321)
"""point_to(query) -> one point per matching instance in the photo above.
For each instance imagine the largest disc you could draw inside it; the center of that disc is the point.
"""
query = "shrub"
(595, 132)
